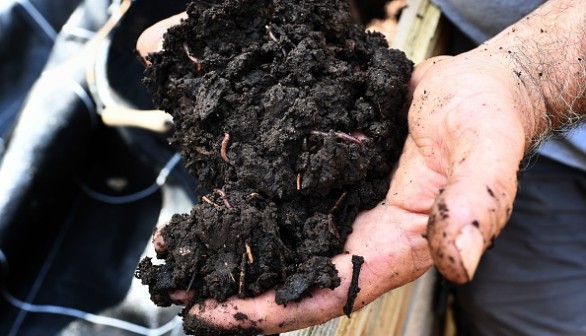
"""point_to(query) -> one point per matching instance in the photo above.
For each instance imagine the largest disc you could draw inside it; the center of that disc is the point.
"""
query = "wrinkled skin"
(450, 195)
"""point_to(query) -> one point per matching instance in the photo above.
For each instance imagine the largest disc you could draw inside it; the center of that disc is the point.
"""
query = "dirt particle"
(443, 210)
(240, 316)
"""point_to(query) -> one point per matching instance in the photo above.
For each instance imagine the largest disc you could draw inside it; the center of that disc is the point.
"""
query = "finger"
(393, 255)
(158, 241)
(151, 40)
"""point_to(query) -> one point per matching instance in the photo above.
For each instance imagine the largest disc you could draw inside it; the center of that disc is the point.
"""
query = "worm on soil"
(224, 147)
(224, 197)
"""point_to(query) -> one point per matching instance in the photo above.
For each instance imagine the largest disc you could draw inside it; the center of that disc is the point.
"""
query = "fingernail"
(470, 245)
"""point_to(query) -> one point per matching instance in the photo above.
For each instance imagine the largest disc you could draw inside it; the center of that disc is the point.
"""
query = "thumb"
(468, 119)
(151, 40)
(470, 212)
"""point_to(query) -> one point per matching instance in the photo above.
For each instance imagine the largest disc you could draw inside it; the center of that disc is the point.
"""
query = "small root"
(252, 196)
(194, 59)
(275, 39)
(332, 226)
(249, 253)
(339, 135)
(191, 282)
(283, 269)
(242, 275)
(271, 35)
(339, 202)
(224, 147)
(208, 201)
(202, 151)
(299, 181)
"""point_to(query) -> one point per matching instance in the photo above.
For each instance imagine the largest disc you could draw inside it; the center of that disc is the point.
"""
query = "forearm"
(546, 50)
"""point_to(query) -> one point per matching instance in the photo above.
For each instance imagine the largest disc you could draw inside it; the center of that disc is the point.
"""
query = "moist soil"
(290, 115)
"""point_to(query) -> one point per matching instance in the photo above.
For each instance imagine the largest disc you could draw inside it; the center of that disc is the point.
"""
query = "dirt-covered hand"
(390, 239)
(474, 117)
(467, 137)
(459, 163)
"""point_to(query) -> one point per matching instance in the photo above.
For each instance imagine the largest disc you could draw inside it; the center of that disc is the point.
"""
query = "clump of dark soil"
(289, 113)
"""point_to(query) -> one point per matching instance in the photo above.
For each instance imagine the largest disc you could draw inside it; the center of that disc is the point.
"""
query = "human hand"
(390, 240)
(471, 123)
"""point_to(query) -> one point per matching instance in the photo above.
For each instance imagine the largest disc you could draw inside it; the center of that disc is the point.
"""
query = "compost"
(289, 113)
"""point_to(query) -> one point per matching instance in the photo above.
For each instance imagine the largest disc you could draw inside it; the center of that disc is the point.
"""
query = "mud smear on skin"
(288, 112)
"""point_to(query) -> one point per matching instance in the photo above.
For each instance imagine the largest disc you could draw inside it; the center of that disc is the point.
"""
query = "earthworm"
(224, 197)
(299, 181)
(224, 148)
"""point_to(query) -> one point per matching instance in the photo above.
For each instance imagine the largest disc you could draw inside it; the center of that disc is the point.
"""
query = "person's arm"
(548, 51)
(472, 119)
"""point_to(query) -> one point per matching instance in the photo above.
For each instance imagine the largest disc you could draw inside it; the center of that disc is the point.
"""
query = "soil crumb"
(290, 115)
(353, 290)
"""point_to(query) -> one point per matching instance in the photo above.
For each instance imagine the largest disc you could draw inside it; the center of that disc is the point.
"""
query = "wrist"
(546, 51)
